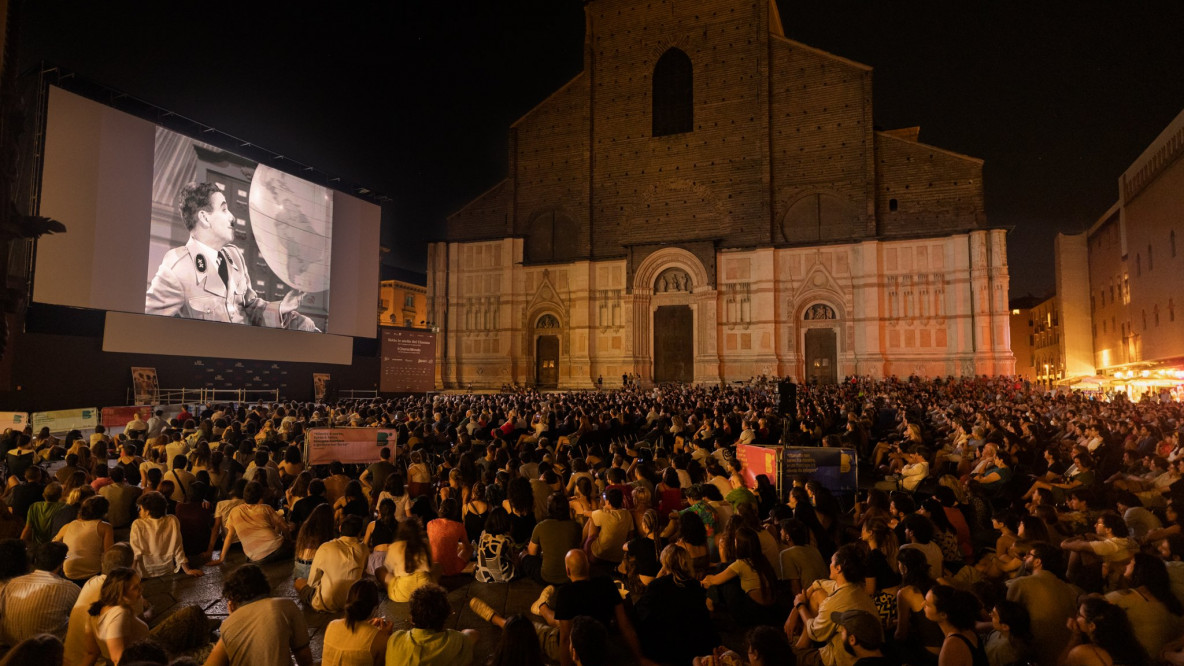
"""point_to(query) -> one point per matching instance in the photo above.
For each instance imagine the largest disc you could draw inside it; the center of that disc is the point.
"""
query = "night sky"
(413, 98)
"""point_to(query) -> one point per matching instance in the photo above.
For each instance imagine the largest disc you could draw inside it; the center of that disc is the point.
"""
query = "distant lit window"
(673, 94)
(409, 301)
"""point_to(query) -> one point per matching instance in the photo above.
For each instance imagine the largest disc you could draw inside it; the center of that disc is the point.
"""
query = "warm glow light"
(1016, 311)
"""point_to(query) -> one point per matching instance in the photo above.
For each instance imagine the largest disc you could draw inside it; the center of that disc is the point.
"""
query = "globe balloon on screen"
(292, 221)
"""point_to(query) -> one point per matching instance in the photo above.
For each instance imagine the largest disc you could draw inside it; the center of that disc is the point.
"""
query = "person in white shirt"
(915, 470)
(156, 540)
(337, 565)
(262, 532)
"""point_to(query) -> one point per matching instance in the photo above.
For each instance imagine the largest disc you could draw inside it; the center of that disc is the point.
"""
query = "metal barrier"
(184, 396)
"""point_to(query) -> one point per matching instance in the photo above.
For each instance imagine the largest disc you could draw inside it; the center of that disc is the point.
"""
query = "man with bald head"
(592, 596)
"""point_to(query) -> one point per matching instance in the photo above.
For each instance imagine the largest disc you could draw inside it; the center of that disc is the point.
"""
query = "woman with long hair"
(88, 537)
(692, 537)
(673, 622)
(358, 639)
(495, 549)
(519, 644)
(475, 511)
(298, 490)
(918, 634)
(450, 544)
(113, 622)
(520, 505)
(408, 564)
(944, 534)
(353, 502)
(316, 530)
(956, 611)
(883, 569)
(584, 501)
(1102, 636)
(640, 563)
(745, 587)
(379, 535)
(292, 465)
(395, 490)
(419, 476)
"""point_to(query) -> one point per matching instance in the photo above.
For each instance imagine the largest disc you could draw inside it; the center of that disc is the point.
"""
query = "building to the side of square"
(709, 201)
(1128, 269)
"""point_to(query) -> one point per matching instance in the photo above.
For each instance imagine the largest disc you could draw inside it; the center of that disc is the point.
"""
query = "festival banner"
(114, 419)
(758, 460)
(65, 420)
(320, 386)
(408, 360)
(834, 468)
(14, 420)
(144, 385)
(346, 445)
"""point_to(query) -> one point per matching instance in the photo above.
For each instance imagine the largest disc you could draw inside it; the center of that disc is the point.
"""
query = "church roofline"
(477, 198)
(536, 107)
(818, 51)
(921, 143)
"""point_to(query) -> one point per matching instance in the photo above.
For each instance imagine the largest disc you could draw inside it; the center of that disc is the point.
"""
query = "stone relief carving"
(672, 280)
(547, 321)
(819, 312)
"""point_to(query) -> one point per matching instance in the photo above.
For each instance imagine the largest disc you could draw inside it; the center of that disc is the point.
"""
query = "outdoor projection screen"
(116, 180)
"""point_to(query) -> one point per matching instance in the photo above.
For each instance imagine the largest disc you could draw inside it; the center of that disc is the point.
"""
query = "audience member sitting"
(673, 623)
(358, 639)
(337, 565)
(88, 538)
(39, 519)
(38, 602)
(449, 542)
(408, 564)
(156, 540)
(260, 630)
(550, 541)
(428, 643)
(262, 532)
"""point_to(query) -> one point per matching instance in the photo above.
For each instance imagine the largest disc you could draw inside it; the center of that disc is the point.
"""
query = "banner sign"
(115, 418)
(408, 360)
(14, 420)
(144, 385)
(834, 468)
(346, 445)
(320, 386)
(758, 460)
(65, 420)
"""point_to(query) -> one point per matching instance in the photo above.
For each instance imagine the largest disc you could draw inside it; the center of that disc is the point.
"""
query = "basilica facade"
(709, 201)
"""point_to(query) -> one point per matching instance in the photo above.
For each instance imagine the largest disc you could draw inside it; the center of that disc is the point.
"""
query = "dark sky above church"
(413, 98)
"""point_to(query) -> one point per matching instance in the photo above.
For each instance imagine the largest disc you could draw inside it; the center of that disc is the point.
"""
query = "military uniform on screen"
(188, 285)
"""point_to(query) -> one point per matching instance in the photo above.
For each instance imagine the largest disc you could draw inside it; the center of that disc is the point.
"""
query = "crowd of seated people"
(997, 524)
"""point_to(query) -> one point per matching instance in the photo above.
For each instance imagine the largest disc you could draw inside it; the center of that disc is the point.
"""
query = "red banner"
(118, 417)
(758, 460)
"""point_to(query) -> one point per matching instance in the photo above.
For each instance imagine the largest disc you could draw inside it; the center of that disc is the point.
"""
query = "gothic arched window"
(674, 94)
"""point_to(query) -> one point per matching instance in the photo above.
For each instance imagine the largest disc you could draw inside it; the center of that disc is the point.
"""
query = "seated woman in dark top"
(640, 564)
(672, 618)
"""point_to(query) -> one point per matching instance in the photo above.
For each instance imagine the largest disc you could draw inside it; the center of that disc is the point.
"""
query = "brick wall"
(934, 190)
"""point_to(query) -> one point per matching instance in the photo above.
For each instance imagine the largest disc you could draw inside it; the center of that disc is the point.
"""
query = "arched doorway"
(820, 344)
(546, 353)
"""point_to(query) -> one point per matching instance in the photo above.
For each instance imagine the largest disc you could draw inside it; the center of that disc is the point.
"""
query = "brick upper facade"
(782, 151)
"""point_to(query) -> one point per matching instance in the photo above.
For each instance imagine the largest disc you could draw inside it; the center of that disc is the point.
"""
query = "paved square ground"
(168, 593)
